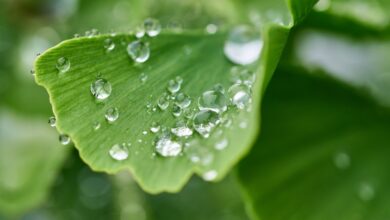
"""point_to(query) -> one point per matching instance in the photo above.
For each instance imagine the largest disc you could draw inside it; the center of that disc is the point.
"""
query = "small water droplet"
(366, 192)
(188, 113)
(139, 31)
(32, 72)
(143, 77)
(109, 45)
(219, 88)
(52, 121)
(176, 110)
(198, 154)
(174, 86)
(182, 100)
(138, 51)
(112, 114)
(342, 160)
(211, 28)
(240, 95)
(152, 27)
(243, 46)
(167, 147)
(163, 101)
(213, 100)
(64, 139)
(101, 89)
(221, 144)
(187, 50)
(155, 127)
(119, 152)
(76, 35)
(179, 79)
(144, 132)
(242, 75)
(210, 175)
(204, 122)
(96, 125)
(243, 124)
(181, 130)
(63, 65)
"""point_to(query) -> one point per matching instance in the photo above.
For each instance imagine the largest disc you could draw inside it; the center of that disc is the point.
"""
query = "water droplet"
(243, 46)
(63, 65)
(174, 86)
(242, 75)
(240, 95)
(176, 110)
(112, 114)
(139, 31)
(109, 45)
(96, 125)
(152, 27)
(366, 192)
(181, 130)
(213, 100)
(144, 132)
(155, 127)
(64, 139)
(187, 50)
(101, 89)
(219, 88)
(210, 175)
(204, 121)
(198, 154)
(211, 28)
(52, 121)
(167, 147)
(221, 144)
(243, 124)
(163, 102)
(32, 72)
(119, 152)
(143, 77)
(179, 79)
(188, 113)
(138, 51)
(182, 100)
(342, 160)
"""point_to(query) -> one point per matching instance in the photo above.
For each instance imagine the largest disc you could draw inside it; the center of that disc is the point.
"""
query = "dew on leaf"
(211, 28)
(101, 89)
(63, 65)
(240, 95)
(176, 110)
(143, 77)
(174, 86)
(167, 147)
(112, 114)
(182, 100)
(181, 130)
(119, 152)
(243, 45)
(205, 121)
(163, 102)
(139, 31)
(155, 127)
(52, 121)
(342, 160)
(138, 51)
(221, 144)
(64, 139)
(210, 175)
(366, 192)
(152, 27)
(109, 45)
(96, 125)
(213, 100)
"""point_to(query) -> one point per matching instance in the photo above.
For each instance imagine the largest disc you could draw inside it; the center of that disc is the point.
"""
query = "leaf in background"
(29, 160)
(322, 154)
(374, 13)
(197, 58)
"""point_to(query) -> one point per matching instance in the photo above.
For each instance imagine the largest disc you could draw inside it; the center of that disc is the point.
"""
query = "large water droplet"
(182, 100)
(152, 27)
(109, 45)
(64, 139)
(210, 175)
(181, 130)
(243, 45)
(167, 147)
(240, 95)
(213, 100)
(63, 65)
(342, 160)
(52, 121)
(112, 114)
(138, 51)
(101, 89)
(204, 122)
(119, 152)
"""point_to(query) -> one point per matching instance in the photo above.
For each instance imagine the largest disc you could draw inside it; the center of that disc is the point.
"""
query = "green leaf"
(322, 154)
(29, 160)
(201, 68)
(373, 13)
